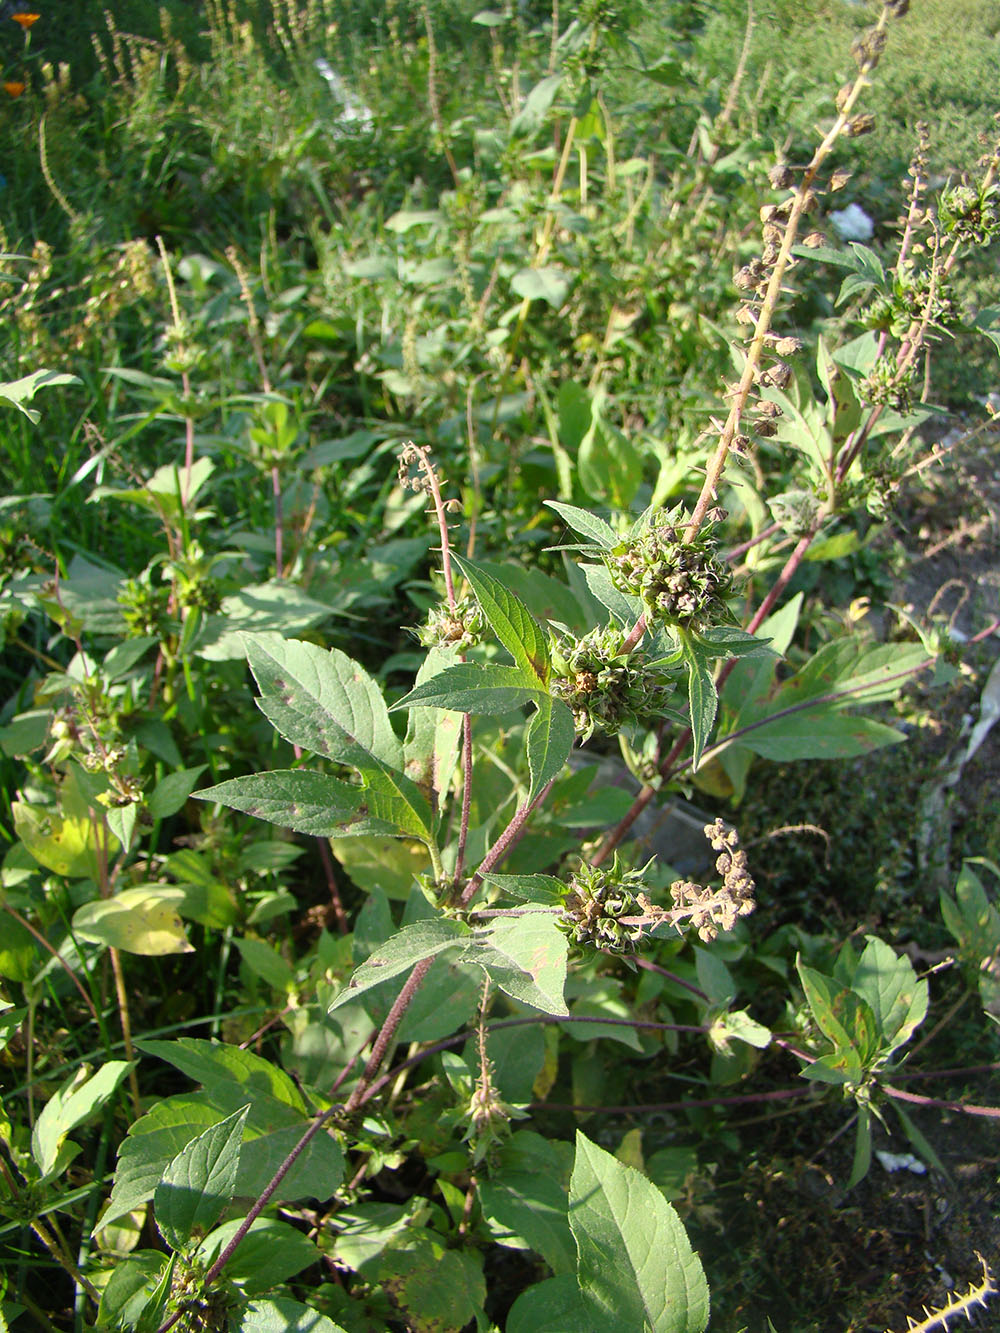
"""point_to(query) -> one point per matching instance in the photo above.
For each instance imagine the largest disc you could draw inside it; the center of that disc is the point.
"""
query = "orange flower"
(26, 20)
(14, 89)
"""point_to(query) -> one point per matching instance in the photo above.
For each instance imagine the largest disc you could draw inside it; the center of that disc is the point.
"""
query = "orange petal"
(14, 89)
(26, 20)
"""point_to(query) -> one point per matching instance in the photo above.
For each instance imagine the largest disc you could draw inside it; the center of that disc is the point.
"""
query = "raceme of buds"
(971, 214)
(605, 687)
(678, 582)
(712, 910)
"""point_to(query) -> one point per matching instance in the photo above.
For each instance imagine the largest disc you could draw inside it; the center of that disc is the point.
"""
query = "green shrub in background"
(492, 246)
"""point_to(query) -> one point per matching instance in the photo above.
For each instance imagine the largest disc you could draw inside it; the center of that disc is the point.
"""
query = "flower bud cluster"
(459, 626)
(597, 899)
(971, 213)
(605, 687)
(679, 582)
(712, 910)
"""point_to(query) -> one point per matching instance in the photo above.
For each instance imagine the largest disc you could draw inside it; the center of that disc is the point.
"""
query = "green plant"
(465, 931)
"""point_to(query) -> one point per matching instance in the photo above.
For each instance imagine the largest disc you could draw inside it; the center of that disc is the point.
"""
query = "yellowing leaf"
(67, 846)
(140, 920)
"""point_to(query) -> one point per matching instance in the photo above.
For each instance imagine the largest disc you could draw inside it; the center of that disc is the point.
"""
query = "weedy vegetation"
(441, 447)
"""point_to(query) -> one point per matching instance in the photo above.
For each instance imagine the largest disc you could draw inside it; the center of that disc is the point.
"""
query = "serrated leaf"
(889, 984)
(409, 946)
(532, 888)
(548, 741)
(530, 1208)
(199, 1182)
(472, 687)
(509, 619)
(556, 1306)
(586, 524)
(433, 738)
(322, 700)
(635, 1260)
(526, 957)
(315, 803)
(703, 699)
(281, 1315)
(271, 1252)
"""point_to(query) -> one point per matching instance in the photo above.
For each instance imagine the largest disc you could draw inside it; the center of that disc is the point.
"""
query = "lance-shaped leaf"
(526, 957)
(409, 946)
(635, 1260)
(471, 687)
(586, 524)
(322, 700)
(294, 798)
(510, 620)
(703, 698)
(549, 740)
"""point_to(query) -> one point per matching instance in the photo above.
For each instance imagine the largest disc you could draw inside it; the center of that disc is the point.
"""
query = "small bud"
(765, 408)
(814, 240)
(839, 178)
(858, 125)
(769, 255)
(772, 234)
(748, 276)
(867, 48)
(746, 315)
(781, 176)
(843, 95)
(897, 9)
(741, 443)
(788, 346)
(765, 429)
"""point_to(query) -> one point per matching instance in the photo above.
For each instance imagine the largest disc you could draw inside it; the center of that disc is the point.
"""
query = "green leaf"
(987, 322)
(270, 1252)
(509, 619)
(862, 1147)
(411, 945)
(142, 920)
(889, 984)
(169, 795)
(703, 699)
(280, 1316)
(536, 105)
(557, 1306)
(842, 1015)
(433, 738)
(635, 1260)
(473, 687)
(526, 957)
(532, 888)
(80, 1097)
(609, 465)
(19, 392)
(301, 800)
(437, 1288)
(277, 1119)
(527, 1210)
(265, 962)
(199, 1182)
(322, 700)
(549, 284)
(130, 1288)
(549, 739)
(586, 524)
(821, 732)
